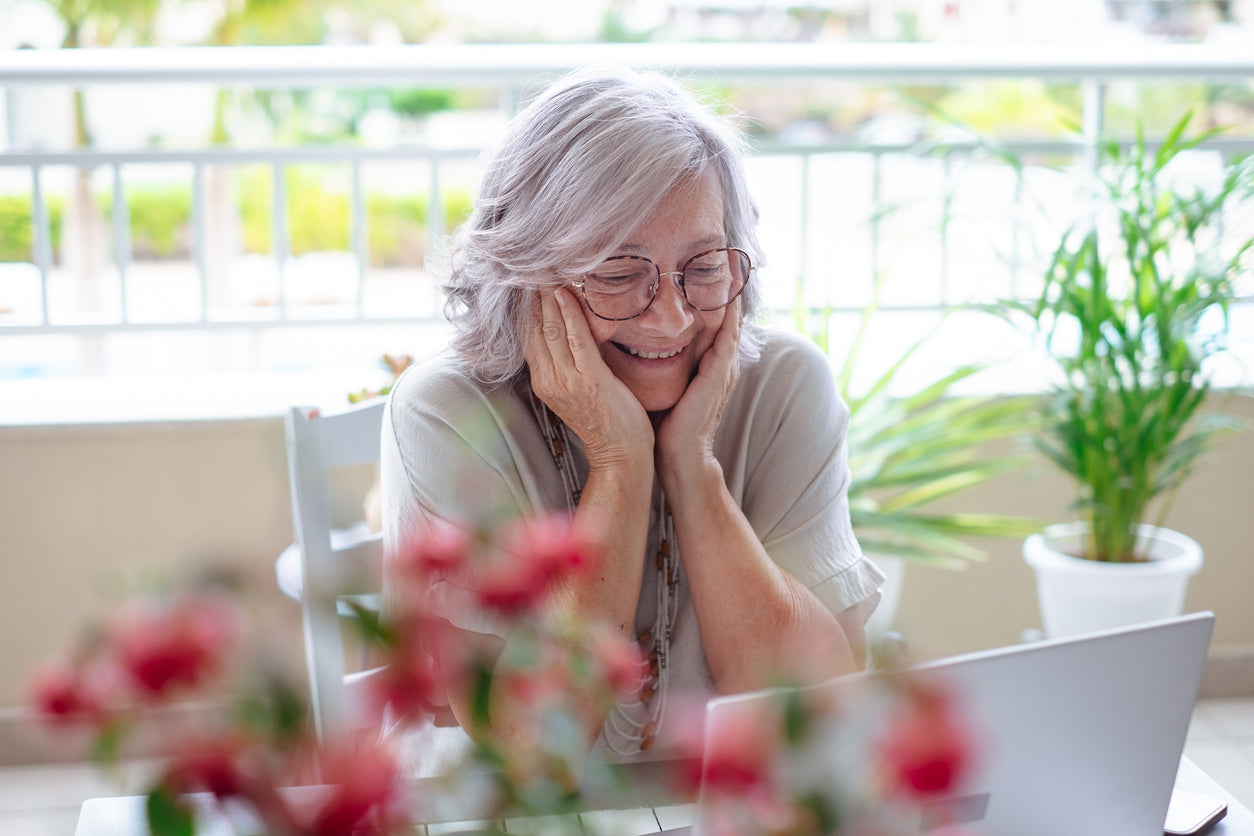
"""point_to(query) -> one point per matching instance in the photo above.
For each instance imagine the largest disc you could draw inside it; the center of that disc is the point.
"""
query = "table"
(124, 816)
(1238, 822)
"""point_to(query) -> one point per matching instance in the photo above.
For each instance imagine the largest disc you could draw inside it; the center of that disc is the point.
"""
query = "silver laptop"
(1077, 736)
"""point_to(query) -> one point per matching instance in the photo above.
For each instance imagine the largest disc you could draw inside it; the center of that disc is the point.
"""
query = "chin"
(659, 408)
(655, 401)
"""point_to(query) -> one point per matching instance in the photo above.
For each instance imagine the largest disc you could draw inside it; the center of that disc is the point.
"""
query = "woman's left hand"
(685, 437)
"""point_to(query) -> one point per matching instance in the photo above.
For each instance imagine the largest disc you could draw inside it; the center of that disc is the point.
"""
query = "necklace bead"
(624, 733)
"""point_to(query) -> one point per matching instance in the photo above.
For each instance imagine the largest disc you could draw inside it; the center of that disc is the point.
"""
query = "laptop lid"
(1078, 735)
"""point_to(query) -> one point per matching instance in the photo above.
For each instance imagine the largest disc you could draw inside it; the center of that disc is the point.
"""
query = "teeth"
(654, 355)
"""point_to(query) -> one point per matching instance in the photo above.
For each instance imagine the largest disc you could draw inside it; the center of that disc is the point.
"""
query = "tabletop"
(1238, 822)
(124, 816)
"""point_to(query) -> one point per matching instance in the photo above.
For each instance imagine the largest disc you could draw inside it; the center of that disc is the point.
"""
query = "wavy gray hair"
(574, 173)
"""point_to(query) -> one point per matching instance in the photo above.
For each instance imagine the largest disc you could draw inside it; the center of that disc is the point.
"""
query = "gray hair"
(574, 173)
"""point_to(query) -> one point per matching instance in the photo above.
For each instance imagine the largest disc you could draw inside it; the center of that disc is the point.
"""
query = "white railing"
(802, 182)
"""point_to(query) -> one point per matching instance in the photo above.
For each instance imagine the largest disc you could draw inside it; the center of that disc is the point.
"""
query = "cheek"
(711, 321)
(602, 330)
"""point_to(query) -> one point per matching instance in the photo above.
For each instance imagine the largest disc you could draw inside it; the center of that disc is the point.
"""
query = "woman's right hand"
(570, 376)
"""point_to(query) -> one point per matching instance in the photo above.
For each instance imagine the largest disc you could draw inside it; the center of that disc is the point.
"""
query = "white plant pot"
(1081, 596)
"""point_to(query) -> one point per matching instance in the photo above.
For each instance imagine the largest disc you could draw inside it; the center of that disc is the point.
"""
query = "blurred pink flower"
(363, 787)
(623, 664)
(433, 550)
(538, 687)
(209, 764)
(549, 542)
(64, 692)
(927, 747)
(558, 664)
(181, 643)
(510, 586)
(734, 759)
(422, 665)
(536, 552)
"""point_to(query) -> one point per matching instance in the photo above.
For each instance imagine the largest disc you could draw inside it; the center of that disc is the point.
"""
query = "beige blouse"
(452, 448)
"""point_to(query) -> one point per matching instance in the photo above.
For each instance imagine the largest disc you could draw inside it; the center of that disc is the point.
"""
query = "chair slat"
(330, 567)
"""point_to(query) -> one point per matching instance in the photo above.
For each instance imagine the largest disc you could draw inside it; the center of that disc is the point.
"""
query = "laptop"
(1079, 736)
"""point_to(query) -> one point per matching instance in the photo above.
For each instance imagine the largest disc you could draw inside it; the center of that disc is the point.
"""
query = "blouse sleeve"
(795, 479)
(446, 455)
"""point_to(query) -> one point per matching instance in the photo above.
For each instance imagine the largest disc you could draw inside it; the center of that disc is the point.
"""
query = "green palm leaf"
(1126, 422)
(908, 452)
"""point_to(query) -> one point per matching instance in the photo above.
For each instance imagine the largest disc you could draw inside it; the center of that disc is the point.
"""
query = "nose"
(670, 312)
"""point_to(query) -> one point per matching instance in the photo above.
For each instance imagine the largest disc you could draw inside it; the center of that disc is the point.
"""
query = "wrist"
(698, 479)
(623, 465)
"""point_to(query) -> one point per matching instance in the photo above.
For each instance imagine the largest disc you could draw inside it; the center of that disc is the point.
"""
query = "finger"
(550, 331)
(579, 339)
(535, 352)
(546, 369)
(737, 327)
(735, 313)
(726, 348)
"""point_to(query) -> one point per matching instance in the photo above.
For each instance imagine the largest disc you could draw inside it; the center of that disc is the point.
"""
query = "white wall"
(84, 511)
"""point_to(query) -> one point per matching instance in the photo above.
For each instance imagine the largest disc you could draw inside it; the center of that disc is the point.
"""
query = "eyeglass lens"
(623, 287)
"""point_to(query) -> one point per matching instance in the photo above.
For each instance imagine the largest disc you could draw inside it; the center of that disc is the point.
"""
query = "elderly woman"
(605, 362)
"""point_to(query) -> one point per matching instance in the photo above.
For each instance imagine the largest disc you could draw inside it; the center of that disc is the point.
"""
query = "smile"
(652, 355)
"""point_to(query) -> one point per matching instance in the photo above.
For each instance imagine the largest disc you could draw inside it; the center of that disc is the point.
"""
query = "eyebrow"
(710, 241)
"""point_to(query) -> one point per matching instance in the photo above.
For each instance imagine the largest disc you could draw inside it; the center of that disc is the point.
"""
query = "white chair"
(332, 563)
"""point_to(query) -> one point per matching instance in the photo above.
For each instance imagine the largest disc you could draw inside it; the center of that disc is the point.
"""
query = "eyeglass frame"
(657, 283)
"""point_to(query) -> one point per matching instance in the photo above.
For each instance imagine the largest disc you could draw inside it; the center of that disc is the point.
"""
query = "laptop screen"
(1079, 735)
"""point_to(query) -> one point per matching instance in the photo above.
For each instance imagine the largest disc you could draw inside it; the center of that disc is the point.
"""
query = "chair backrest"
(316, 445)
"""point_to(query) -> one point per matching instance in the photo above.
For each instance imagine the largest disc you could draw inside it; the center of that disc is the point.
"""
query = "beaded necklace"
(634, 720)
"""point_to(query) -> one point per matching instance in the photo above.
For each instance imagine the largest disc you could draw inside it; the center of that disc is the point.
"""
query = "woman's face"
(657, 353)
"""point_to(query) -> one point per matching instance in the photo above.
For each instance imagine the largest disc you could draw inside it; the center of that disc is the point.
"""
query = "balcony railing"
(940, 223)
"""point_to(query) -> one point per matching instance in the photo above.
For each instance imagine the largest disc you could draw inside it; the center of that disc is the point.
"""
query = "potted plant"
(908, 452)
(1133, 307)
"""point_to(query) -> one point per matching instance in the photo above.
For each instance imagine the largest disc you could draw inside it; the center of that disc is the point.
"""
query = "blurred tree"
(94, 23)
(288, 22)
(235, 23)
(297, 22)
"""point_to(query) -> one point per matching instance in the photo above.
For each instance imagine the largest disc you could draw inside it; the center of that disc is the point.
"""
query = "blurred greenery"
(420, 101)
(159, 219)
(1012, 107)
(16, 239)
(318, 217)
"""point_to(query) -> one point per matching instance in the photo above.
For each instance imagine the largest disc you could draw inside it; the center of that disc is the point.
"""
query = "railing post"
(1016, 231)
(278, 223)
(947, 207)
(435, 212)
(200, 239)
(42, 244)
(804, 237)
(122, 244)
(10, 119)
(360, 225)
(877, 207)
(1093, 120)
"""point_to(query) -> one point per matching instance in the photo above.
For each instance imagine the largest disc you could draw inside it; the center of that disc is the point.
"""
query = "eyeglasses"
(623, 287)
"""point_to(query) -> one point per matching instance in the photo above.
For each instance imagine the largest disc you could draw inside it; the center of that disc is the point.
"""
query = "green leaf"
(107, 745)
(370, 622)
(481, 696)
(276, 711)
(169, 815)
(1128, 286)
(909, 452)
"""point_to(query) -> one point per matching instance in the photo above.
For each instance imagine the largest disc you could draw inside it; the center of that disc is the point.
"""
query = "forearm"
(758, 623)
(501, 695)
(612, 522)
